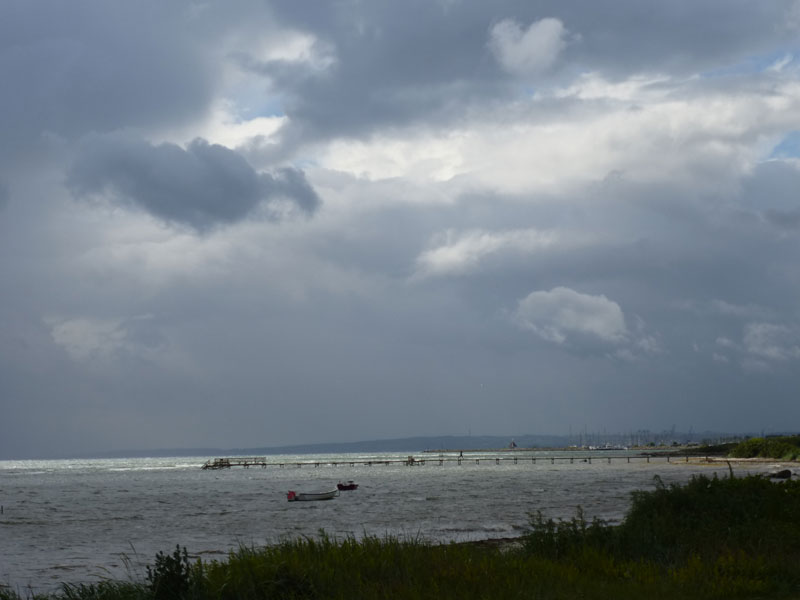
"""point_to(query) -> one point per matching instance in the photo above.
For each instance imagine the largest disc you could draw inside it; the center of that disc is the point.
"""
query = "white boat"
(293, 496)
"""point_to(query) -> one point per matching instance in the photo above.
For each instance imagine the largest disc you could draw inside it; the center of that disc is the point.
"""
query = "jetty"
(236, 461)
(460, 458)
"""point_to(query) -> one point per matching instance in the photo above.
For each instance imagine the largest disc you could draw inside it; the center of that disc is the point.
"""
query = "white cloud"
(562, 313)
(649, 344)
(781, 64)
(248, 106)
(297, 47)
(223, 126)
(771, 342)
(459, 253)
(108, 344)
(153, 257)
(763, 345)
(85, 339)
(636, 88)
(652, 130)
(735, 310)
(527, 52)
(414, 154)
(97, 342)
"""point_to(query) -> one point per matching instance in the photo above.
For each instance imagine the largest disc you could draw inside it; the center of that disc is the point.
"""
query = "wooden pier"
(236, 461)
(413, 461)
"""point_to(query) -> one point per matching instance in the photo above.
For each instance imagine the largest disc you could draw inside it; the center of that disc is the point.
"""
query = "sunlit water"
(80, 520)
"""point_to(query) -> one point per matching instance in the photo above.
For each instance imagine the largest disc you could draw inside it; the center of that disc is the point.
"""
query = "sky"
(253, 223)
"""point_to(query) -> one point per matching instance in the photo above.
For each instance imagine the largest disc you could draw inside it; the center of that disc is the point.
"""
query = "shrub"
(173, 577)
(784, 448)
(707, 517)
(558, 539)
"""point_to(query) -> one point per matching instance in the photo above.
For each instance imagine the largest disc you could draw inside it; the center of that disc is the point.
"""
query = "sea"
(81, 521)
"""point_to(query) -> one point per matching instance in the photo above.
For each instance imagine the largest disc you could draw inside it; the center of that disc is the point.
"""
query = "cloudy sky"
(259, 223)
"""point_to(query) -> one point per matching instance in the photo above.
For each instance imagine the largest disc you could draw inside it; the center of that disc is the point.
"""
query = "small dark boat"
(344, 487)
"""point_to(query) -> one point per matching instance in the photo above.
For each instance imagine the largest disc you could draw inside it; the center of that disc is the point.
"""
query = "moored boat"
(293, 496)
(346, 486)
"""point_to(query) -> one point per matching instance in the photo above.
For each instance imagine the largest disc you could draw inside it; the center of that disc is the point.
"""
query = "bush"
(712, 517)
(559, 539)
(173, 577)
(708, 518)
(783, 448)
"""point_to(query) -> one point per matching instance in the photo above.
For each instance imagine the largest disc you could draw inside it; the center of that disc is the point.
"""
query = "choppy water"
(80, 520)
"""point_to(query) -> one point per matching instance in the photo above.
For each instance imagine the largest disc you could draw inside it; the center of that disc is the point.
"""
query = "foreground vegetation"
(785, 447)
(711, 538)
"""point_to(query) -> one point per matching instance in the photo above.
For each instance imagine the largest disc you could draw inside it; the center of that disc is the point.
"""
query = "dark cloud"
(394, 65)
(202, 186)
(427, 62)
(771, 191)
(785, 219)
(93, 66)
(5, 194)
(537, 215)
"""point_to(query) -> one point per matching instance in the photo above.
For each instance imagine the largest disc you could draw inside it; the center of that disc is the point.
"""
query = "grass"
(780, 447)
(710, 538)
(723, 537)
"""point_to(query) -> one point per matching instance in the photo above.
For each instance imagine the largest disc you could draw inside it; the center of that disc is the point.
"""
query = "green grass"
(711, 538)
(718, 537)
(781, 448)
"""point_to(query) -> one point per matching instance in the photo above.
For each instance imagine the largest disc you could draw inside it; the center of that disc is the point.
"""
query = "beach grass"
(709, 538)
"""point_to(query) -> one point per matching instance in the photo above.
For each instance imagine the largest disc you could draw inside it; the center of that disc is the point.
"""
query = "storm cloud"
(201, 186)
(261, 224)
(4, 194)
